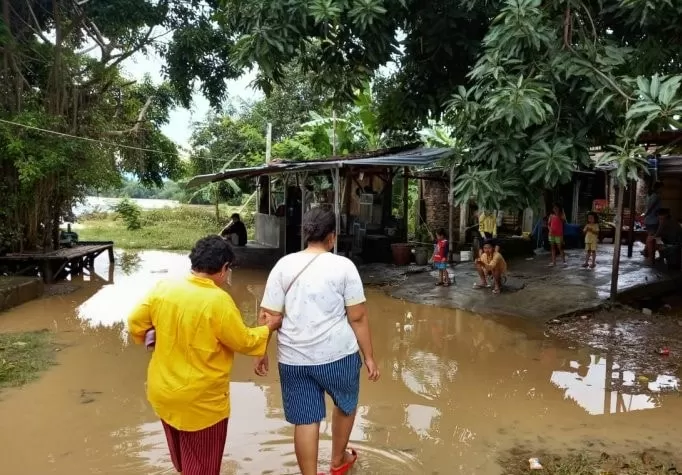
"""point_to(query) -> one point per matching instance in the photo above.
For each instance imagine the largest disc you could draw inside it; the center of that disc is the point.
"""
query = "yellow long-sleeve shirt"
(198, 330)
(487, 223)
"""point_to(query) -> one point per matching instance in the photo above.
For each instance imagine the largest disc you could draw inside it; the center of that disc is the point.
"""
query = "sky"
(179, 127)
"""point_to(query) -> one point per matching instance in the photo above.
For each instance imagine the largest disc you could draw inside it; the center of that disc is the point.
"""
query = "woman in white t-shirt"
(325, 328)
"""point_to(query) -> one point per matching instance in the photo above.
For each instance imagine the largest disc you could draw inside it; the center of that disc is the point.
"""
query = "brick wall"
(437, 208)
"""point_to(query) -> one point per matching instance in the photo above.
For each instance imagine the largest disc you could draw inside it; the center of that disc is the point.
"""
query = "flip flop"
(346, 467)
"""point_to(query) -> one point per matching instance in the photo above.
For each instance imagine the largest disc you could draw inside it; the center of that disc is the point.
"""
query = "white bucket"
(465, 256)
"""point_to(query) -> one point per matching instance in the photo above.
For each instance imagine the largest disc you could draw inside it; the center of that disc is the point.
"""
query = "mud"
(458, 391)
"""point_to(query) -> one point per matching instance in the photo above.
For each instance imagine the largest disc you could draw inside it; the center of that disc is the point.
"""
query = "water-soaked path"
(457, 390)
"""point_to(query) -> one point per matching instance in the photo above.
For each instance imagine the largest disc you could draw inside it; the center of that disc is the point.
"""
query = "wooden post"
(268, 144)
(451, 202)
(463, 220)
(301, 185)
(337, 208)
(111, 255)
(406, 185)
(632, 204)
(615, 265)
(347, 197)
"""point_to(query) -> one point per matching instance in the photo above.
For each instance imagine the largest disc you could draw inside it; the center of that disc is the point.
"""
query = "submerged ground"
(460, 392)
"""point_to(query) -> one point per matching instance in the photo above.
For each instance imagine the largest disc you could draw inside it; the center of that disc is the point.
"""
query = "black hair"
(440, 232)
(489, 242)
(235, 216)
(663, 212)
(557, 205)
(596, 216)
(210, 254)
(318, 223)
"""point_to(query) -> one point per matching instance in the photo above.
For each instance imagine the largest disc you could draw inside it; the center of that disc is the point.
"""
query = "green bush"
(130, 213)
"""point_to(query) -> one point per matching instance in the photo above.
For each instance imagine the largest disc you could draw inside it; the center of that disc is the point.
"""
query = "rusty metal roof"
(395, 157)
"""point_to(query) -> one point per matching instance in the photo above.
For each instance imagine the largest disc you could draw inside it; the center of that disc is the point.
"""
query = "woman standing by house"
(325, 328)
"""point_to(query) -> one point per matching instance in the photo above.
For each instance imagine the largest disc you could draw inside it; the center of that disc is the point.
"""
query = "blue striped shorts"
(303, 388)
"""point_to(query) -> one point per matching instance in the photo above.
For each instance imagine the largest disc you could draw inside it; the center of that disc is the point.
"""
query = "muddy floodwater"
(457, 390)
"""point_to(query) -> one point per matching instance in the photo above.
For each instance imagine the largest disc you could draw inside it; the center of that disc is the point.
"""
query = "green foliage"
(130, 212)
(51, 81)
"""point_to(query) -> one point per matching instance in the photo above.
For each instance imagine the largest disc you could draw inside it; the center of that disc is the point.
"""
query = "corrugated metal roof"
(418, 157)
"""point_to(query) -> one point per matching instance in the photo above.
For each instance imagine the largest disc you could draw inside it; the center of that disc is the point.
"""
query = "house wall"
(269, 229)
(671, 196)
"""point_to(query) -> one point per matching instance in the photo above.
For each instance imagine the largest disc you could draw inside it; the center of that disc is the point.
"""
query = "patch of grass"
(168, 228)
(23, 356)
(650, 462)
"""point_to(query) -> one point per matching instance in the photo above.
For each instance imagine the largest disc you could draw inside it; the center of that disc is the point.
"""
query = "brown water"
(457, 390)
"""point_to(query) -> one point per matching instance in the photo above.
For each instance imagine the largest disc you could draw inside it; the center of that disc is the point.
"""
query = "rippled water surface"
(457, 390)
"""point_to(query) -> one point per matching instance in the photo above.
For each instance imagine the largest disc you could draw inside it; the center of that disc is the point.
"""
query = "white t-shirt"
(315, 329)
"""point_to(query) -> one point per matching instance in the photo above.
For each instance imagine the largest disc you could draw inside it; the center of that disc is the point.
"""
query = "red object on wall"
(599, 205)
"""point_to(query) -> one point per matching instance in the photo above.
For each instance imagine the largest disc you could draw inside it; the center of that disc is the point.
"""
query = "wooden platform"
(55, 265)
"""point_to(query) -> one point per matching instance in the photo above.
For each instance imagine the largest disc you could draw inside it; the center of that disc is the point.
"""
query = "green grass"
(168, 228)
(23, 356)
(651, 462)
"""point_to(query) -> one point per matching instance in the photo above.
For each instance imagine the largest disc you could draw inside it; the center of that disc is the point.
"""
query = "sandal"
(496, 291)
(346, 467)
(479, 286)
(438, 284)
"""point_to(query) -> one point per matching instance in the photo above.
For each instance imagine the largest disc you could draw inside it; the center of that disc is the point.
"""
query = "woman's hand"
(261, 365)
(372, 369)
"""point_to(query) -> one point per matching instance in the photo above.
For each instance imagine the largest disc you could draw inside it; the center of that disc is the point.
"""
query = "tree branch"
(140, 119)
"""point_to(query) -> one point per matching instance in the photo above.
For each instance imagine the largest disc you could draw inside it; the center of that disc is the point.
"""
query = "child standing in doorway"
(555, 223)
(591, 231)
(440, 258)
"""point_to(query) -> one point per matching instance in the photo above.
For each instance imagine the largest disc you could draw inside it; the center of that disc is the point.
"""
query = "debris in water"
(647, 311)
(19, 344)
(535, 463)
(667, 307)
(555, 321)
(643, 379)
(408, 328)
(664, 351)
(584, 317)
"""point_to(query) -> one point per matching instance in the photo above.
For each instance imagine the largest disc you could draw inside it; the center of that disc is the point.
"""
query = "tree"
(60, 79)
(541, 82)
(287, 105)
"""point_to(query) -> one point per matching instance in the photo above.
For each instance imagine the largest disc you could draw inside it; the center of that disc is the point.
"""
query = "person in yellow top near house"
(487, 224)
(198, 330)
(490, 263)
(591, 231)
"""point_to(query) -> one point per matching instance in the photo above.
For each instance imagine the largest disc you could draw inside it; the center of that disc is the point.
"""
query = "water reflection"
(590, 384)
(457, 389)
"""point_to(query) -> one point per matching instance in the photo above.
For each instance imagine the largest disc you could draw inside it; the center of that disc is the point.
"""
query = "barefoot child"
(555, 223)
(440, 258)
(591, 231)
(490, 263)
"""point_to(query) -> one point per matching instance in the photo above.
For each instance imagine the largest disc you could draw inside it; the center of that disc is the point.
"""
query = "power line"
(87, 139)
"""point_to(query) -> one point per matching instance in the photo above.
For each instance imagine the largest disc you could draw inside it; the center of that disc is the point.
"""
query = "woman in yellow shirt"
(198, 329)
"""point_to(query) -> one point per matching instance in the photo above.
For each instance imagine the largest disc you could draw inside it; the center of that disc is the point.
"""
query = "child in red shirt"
(555, 223)
(440, 258)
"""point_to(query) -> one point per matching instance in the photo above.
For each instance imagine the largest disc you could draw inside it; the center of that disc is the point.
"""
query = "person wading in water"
(325, 328)
(198, 330)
